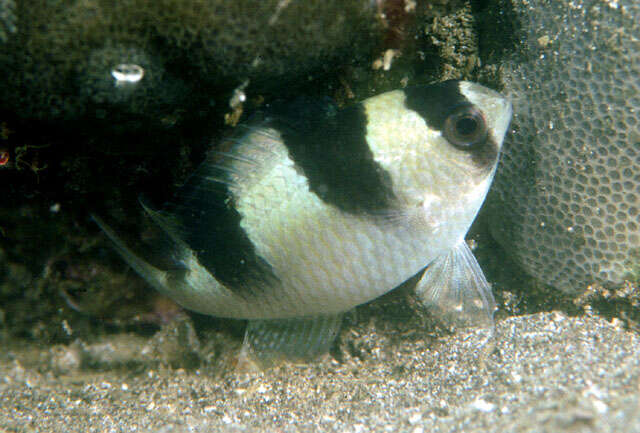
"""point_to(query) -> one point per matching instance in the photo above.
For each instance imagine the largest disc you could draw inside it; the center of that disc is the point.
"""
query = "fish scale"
(333, 274)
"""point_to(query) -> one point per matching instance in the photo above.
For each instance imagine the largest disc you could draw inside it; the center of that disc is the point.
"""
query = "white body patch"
(328, 261)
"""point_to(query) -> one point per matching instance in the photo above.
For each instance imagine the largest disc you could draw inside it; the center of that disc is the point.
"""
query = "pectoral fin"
(267, 342)
(454, 288)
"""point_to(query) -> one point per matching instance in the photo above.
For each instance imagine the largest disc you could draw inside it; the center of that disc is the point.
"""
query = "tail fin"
(154, 276)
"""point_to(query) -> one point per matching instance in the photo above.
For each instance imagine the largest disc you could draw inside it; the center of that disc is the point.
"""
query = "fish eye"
(465, 127)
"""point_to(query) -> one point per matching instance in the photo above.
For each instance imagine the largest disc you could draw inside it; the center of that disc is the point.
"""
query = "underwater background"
(103, 101)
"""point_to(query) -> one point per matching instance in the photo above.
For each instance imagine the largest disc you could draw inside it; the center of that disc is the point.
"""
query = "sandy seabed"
(548, 372)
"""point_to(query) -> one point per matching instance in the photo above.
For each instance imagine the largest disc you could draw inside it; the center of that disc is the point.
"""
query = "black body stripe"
(435, 102)
(331, 150)
(210, 226)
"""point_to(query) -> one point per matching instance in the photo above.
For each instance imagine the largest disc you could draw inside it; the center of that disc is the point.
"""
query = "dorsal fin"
(167, 222)
(153, 275)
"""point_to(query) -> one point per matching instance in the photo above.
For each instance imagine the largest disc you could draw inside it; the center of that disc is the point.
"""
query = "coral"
(8, 19)
(117, 75)
(264, 39)
(99, 79)
(57, 60)
(566, 200)
(454, 38)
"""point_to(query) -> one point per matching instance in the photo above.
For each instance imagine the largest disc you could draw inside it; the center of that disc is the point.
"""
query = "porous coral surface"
(566, 199)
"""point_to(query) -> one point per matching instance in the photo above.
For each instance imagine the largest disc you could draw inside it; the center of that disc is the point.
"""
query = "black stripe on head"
(209, 224)
(331, 150)
(435, 102)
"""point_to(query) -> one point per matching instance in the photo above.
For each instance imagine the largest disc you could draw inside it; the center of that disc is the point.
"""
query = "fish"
(312, 210)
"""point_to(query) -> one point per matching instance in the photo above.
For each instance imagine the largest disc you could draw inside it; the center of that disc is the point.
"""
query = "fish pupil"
(466, 126)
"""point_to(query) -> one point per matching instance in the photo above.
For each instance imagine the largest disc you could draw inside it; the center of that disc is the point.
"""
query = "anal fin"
(270, 341)
(454, 288)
